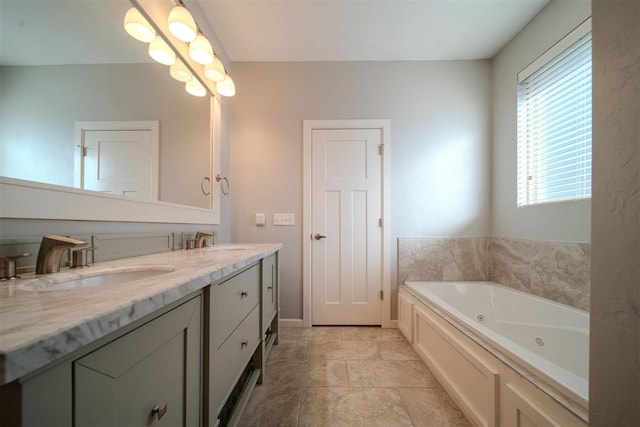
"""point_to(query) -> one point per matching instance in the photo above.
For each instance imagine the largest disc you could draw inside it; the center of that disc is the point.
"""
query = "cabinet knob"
(270, 288)
(243, 294)
(244, 343)
(159, 410)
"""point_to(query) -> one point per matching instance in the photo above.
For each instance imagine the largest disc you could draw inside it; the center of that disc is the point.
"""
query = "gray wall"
(439, 113)
(614, 380)
(566, 221)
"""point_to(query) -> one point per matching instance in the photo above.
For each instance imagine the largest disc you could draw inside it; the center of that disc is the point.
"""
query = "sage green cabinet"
(231, 358)
(192, 364)
(231, 301)
(47, 398)
(270, 308)
(234, 330)
(148, 377)
(270, 303)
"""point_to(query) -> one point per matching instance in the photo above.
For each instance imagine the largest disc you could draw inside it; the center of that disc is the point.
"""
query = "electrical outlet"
(284, 219)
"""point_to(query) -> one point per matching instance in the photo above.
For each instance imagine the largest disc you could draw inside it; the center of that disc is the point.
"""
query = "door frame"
(385, 129)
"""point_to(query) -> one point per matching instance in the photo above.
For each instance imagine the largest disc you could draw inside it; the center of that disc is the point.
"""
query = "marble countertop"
(39, 326)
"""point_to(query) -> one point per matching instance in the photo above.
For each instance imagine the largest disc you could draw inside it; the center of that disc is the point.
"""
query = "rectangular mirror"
(65, 63)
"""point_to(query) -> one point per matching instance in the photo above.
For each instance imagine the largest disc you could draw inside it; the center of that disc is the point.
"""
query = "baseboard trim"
(291, 323)
(393, 324)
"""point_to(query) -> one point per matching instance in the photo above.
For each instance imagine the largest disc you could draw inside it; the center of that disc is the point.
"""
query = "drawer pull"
(243, 294)
(159, 410)
(244, 343)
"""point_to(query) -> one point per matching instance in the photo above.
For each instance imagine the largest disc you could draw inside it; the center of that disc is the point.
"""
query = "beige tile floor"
(348, 376)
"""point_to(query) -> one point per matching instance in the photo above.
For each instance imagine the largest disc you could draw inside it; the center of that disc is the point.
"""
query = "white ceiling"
(37, 32)
(359, 30)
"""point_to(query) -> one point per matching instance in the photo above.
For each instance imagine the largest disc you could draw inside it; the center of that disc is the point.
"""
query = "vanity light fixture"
(226, 87)
(181, 24)
(195, 88)
(183, 27)
(137, 26)
(180, 72)
(214, 71)
(161, 52)
(200, 50)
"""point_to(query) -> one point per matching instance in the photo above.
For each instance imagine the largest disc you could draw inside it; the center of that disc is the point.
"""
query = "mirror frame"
(34, 200)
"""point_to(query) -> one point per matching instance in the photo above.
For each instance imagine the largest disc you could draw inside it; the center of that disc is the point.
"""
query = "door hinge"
(380, 223)
(381, 149)
(382, 295)
(83, 150)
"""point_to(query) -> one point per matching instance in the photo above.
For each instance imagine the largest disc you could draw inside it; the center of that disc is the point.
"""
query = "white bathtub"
(538, 336)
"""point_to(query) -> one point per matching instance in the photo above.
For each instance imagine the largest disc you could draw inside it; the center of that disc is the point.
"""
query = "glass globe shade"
(195, 88)
(200, 50)
(226, 87)
(214, 71)
(182, 25)
(137, 26)
(180, 72)
(161, 52)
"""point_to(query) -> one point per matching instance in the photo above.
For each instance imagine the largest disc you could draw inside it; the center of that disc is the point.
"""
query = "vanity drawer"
(231, 301)
(228, 361)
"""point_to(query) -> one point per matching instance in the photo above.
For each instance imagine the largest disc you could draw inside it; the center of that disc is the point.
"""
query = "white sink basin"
(98, 279)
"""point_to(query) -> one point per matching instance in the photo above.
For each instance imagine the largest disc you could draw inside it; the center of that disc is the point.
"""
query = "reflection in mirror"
(65, 62)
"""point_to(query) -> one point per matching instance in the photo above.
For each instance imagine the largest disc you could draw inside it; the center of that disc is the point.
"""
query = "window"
(554, 122)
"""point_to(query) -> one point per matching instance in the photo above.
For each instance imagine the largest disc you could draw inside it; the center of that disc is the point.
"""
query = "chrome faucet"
(201, 239)
(51, 249)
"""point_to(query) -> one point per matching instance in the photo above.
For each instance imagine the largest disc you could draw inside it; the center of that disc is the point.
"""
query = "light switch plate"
(261, 219)
(284, 219)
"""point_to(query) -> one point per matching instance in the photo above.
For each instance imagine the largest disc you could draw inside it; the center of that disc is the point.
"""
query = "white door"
(116, 162)
(346, 257)
(118, 158)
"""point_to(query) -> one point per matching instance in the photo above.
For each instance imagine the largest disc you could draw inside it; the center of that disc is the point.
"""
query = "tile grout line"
(406, 407)
(300, 400)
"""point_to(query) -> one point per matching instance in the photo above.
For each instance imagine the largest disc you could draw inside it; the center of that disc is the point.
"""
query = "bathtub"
(543, 342)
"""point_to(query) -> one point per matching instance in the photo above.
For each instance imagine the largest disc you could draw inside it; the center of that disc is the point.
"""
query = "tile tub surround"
(348, 376)
(39, 327)
(559, 271)
(443, 259)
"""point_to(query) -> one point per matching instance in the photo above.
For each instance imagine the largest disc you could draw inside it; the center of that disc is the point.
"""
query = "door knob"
(319, 236)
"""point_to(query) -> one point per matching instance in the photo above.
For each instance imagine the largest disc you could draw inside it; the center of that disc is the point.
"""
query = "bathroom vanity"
(179, 339)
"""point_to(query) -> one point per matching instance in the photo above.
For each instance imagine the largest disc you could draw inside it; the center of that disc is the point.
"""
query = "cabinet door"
(156, 366)
(269, 290)
(46, 399)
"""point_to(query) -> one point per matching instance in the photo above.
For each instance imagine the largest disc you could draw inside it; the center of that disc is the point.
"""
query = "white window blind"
(554, 123)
